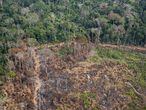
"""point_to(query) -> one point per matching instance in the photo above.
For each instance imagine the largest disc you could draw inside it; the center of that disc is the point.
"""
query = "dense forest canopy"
(109, 21)
(116, 21)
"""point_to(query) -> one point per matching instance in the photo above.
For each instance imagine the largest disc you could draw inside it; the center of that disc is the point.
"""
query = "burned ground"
(64, 78)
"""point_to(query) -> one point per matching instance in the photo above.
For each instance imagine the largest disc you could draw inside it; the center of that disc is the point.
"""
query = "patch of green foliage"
(109, 53)
(144, 108)
(11, 74)
(86, 101)
(65, 51)
(85, 97)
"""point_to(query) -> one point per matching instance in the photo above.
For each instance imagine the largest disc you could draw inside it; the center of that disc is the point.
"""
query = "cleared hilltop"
(72, 54)
(72, 76)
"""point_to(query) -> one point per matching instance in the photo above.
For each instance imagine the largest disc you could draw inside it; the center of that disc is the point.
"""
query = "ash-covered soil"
(61, 77)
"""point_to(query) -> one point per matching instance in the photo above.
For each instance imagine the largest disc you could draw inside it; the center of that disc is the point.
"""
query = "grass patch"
(86, 101)
(86, 98)
(109, 53)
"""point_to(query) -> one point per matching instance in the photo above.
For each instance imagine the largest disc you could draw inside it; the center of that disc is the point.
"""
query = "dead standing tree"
(94, 35)
(1, 2)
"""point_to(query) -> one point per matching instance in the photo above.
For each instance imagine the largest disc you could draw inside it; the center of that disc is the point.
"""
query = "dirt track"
(126, 48)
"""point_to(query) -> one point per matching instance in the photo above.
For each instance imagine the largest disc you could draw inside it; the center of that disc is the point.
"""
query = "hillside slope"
(72, 54)
(75, 76)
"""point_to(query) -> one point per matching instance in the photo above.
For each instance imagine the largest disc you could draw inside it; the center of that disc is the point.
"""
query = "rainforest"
(72, 55)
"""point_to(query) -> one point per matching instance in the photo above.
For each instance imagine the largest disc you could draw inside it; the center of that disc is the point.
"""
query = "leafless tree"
(1, 2)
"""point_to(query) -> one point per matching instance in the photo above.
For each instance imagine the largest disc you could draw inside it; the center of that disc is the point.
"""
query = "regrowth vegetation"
(134, 61)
